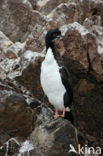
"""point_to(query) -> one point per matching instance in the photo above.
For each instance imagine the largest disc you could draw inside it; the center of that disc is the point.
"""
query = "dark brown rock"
(95, 66)
(15, 117)
(87, 97)
(82, 51)
(76, 51)
(83, 60)
(11, 147)
(53, 138)
(3, 136)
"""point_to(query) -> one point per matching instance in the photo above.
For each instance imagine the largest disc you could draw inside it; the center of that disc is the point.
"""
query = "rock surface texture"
(27, 127)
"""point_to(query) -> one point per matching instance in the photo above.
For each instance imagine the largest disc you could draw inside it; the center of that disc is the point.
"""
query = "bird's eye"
(53, 34)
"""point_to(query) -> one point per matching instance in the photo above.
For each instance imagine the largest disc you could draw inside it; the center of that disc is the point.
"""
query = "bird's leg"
(63, 114)
(56, 114)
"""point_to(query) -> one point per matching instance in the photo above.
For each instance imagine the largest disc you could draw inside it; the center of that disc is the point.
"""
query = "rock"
(86, 107)
(85, 87)
(96, 8)
(83, 59)
(34, 4)
(47, 6)
(2, 74)
(83, 53)
(33, 83)
(11, 147)
(54, 138)
(4, 42)
(20, 116)
(94, 59)
(25, 22)
(10, 67)
(12, 24)
(76, 50)
(15, 27)
(14, 50)
(26, 149)
(63, 14)
(35, 41)
(3, 137)
(59, 46)
(35, 103)
(37, 18)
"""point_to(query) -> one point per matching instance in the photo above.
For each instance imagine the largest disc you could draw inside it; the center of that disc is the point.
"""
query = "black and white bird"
(55, 79)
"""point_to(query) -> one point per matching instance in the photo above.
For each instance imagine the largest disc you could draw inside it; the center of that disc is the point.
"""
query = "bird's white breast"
(51, 81)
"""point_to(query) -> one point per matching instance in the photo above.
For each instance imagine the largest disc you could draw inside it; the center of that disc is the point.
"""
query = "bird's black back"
(68, 97)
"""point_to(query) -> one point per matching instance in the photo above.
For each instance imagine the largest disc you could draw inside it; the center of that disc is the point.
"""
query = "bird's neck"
(51, 46)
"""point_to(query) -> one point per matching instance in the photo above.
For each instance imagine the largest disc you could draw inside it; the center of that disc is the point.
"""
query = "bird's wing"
(65, 80)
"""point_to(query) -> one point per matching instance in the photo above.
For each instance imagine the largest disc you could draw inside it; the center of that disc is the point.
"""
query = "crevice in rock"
(94, 11)
(89, 62)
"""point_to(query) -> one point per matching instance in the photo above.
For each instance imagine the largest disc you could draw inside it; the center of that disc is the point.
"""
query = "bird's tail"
(69, 116)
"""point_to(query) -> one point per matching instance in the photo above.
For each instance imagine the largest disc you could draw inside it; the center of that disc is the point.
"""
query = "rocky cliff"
(27, 126)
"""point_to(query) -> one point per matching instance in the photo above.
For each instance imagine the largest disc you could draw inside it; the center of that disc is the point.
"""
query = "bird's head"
(51, 35)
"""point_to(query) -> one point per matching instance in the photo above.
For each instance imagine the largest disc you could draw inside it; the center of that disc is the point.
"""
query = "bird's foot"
(56, 116)
(63, 115)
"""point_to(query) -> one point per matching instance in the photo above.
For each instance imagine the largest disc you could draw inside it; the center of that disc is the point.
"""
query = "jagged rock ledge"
(23, 25)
